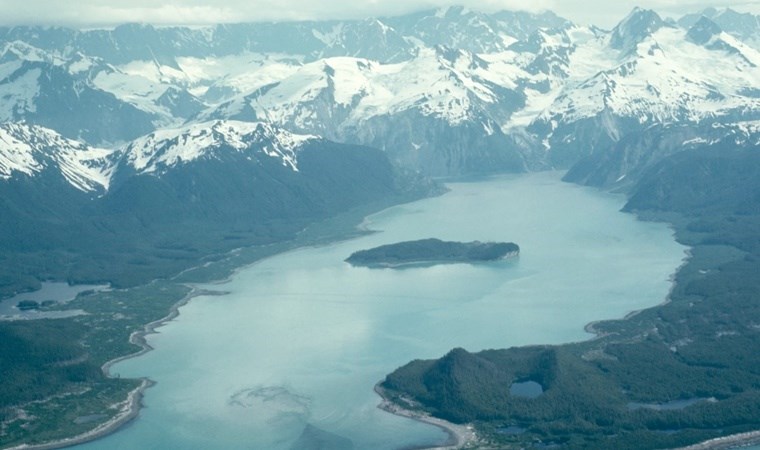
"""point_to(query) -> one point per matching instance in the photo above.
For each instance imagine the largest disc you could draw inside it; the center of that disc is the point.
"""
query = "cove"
(289, 357)
(58, 293)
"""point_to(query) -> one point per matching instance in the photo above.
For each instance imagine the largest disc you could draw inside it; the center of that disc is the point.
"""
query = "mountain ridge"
(142, 158)
(544, 96)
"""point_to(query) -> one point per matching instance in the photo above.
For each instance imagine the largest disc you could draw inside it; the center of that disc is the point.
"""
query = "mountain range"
(132, 154)
(159, 204)
(103, 128)
(445, 92)
(111, 131)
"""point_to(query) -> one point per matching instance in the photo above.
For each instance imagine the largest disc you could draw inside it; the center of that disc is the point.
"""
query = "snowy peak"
(521, 24)
(550, 51)
(335, 93)
(50, 95)
(452, 58)
(180, 102)
(370, 38)
(453, 26)
(636, 27)
(703, 31)
(396, 83)
(471, 30)
(742, 26)
(163, 149)
(21, 51)
(668, 81)
(30, 150)
(709, 35)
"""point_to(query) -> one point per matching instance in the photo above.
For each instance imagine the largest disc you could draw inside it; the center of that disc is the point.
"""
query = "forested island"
(432, 251)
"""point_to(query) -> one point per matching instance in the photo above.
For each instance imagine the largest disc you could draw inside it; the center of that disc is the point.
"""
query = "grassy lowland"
(669, 376)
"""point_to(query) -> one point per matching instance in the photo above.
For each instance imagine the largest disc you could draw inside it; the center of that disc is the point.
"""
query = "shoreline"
(430, 262)
(138, 337)
(732, 441)
(129, 410)
(131, 406)
(591, 326)
(459, 435)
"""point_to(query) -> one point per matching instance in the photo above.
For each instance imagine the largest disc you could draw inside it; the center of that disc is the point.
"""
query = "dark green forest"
(145, 238)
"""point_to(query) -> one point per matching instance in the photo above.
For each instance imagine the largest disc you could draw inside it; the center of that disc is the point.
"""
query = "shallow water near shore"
(289, 358)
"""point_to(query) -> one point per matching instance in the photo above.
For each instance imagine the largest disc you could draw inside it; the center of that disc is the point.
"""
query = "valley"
(313, 335)
(150, 159)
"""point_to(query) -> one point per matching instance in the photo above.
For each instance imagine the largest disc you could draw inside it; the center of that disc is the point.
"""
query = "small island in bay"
(432, 251)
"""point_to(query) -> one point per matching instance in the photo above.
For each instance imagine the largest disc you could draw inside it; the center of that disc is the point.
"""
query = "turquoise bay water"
(303, 337)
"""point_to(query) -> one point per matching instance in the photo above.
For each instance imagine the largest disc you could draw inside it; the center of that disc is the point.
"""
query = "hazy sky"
(88, 13)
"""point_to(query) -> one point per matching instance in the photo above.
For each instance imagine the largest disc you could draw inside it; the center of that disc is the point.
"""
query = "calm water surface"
(303, 337)
(57, 292)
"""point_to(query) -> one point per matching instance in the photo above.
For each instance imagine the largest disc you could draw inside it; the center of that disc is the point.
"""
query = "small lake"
(49, 292)
(289, 358)
(526, 389)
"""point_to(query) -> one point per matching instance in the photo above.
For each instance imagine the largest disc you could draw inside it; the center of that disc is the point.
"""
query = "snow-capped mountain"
(474, 31)
(445, 92)
(30, 150)
(668, 78)
(242, 172)
(39, 88)
(164, 149)
(409, 108)
(156, 205)
(623, 164)
(27, 150)
(639, 25)
(742, 26)
(386, 39)
(147, 137)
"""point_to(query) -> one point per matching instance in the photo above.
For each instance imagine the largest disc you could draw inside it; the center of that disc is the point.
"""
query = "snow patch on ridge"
(169, 147)
(18, 96)
(667, 79)
(30, 149)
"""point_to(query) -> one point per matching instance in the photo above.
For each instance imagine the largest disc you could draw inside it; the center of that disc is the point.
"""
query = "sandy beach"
(460, 436)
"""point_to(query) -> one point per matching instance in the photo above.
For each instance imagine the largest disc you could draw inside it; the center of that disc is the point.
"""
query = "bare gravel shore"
(460, 436)
(727, 442)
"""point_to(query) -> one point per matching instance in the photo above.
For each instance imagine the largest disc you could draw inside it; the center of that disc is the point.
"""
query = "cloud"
(608, 13)
(85, 13)
(195, 12)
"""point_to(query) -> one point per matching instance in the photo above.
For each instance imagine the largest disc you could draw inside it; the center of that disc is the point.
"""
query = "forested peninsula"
(669, 376)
